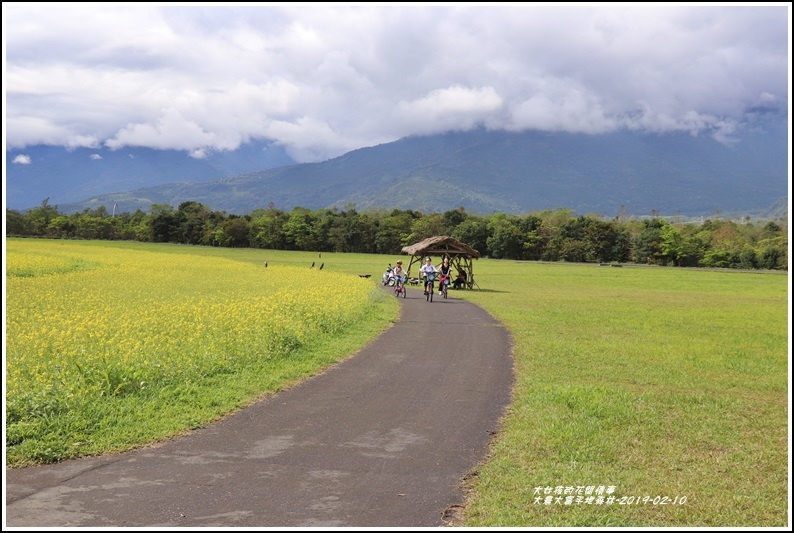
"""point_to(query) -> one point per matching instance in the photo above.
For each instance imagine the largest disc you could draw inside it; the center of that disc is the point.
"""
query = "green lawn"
(659, 382)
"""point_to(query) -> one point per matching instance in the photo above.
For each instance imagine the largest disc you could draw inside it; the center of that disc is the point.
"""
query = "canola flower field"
(93, 333)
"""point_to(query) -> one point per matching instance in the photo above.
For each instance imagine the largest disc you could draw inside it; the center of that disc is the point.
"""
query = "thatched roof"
(442, 245)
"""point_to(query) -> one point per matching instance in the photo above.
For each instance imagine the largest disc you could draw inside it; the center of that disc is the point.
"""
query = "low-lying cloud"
(329, 79)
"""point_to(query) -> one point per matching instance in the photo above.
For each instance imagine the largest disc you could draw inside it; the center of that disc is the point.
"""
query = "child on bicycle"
(426, 269)
(446, 272)
(397, 272)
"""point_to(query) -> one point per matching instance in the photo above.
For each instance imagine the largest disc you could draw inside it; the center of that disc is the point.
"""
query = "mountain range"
(68, 176)
(483, 171)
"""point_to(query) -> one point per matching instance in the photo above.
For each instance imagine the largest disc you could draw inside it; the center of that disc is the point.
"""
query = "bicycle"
(399, 287)
(443, 285)
(429, 277)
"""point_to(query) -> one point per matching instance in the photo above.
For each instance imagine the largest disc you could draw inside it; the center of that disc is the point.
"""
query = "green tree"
(648, 243)
(62, 226)
(505, 240)
(621, 251)
(719, 259)
(566, 243)
(602, 241)
(193, 221)
(91, 226)
(327, 227)
(126, 224)
(143, 230)
(473, 232)
(17, 223)
(267, 230)
(427, 226)
(392, 232)
(673, 245)
(534, 243)
(235, 232)
(40, 217)
(748, 259)
(573, 250)
(453, 218)
(164, 223)
(773, 254)
(359, 233)
(550, 232)
(299, 230)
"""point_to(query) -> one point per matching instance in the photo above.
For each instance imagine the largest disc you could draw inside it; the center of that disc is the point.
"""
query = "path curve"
(382, 439)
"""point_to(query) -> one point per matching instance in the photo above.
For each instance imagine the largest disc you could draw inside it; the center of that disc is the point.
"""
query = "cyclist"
(426, 269)
(446, 272)
(397, 272)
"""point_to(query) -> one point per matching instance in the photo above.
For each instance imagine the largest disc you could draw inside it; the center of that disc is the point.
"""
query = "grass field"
(649, 397)
(662, 383)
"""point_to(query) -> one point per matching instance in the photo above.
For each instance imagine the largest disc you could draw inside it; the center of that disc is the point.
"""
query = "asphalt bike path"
(382, 439)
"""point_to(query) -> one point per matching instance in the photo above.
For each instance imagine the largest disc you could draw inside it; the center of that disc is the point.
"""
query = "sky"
(324, 79)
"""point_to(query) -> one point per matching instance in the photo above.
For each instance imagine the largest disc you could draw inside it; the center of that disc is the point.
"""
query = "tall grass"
(111, 347)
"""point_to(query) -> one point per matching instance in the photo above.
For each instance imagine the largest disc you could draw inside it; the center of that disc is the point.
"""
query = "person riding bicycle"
(426, 269)
(446, 273)
(397, 272)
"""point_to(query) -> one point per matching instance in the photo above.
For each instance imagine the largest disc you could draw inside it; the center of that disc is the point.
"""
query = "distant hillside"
(66, 176)
(487, 172)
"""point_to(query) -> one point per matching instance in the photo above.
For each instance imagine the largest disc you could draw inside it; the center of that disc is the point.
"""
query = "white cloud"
(329, 79)
(95, 157)
(22, 160)
(561, 105)
(199, 153)
(453, 108)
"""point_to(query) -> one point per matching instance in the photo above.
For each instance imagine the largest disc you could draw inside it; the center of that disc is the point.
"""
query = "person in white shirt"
(426, 269)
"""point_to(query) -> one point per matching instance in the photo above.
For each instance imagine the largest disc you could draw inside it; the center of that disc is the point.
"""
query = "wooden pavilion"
(460, 255)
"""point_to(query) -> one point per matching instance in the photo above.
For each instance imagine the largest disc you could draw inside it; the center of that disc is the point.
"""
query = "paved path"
(382, 439)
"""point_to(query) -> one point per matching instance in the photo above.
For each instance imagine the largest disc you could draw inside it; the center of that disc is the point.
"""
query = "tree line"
(552, 235)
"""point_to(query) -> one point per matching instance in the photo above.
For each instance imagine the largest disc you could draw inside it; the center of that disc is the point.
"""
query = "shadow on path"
(382, 439)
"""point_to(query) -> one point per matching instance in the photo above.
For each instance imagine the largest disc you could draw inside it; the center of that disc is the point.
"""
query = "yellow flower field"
(85, 322)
